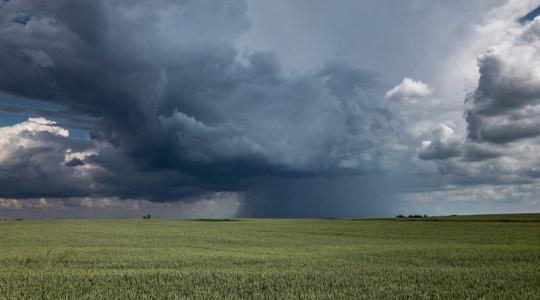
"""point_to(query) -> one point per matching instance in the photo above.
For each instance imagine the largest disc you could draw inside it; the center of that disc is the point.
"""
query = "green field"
(477, 257)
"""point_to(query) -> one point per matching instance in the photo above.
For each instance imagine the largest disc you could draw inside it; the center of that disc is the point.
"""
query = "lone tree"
(146, 217)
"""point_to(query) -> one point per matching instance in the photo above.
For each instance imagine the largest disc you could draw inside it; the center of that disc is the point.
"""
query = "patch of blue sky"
(8, 119)
(30, 108)
(27, 103)
(78, 134)
(530, 16)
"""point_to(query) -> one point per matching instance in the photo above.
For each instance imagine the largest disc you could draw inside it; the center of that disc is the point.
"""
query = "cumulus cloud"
(416, 111)
(444, 145)
(501, 114)
(34, 161)
(505, 106)
(409, 90)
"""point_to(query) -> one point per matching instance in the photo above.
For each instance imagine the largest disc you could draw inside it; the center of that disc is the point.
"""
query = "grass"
(495, 257)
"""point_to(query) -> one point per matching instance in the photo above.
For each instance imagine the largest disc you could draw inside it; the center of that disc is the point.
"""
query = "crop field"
(456, 257)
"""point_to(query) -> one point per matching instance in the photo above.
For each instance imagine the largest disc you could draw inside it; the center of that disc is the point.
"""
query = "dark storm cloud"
(22, 18)
(66, 118)
(75, 162)
(440, 151)
(474, 152)
(11, 108)
(184, 113)
(354, 196)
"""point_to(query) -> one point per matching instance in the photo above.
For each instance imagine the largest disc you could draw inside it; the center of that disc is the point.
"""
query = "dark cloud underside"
(184, 116)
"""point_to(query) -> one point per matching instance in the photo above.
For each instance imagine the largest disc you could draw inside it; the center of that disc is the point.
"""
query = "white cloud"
(24, 135)
(35, 156)
(409, 90)
(502, 113)
(459, 73)
(33, 125)
(506, 104)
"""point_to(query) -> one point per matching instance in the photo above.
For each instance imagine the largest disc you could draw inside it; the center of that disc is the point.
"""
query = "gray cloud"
(502, 118)
(22, 18)
(176, 112)
(474, 152)
(504, 107)
(352, 196)
(445, 144)
(182, 115)
(32, 161)
(216, 205)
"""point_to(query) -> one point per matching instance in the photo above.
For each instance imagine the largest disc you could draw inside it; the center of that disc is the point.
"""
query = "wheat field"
(455, 257)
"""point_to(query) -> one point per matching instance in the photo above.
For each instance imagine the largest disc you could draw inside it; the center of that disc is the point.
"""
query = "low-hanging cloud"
(177, 112)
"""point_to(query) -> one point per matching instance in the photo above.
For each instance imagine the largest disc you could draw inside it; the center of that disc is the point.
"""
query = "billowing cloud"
(176, 112)
(35, 161)
(179, 111)
(504, 107)
(445, 144)
(409, 90)
(502, 117)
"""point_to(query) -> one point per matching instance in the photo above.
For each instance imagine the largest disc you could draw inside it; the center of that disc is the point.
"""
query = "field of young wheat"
(482, 257)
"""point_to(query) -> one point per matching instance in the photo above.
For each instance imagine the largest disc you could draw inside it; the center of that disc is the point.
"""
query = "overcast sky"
(233, 108)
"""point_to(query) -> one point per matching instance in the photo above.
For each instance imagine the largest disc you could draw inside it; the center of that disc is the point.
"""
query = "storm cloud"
(176, 111)
(179, 111)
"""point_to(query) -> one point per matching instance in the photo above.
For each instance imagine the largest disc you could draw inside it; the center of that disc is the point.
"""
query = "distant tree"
(400, 216)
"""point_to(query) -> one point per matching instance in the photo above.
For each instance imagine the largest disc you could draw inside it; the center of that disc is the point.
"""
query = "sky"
(246, 108)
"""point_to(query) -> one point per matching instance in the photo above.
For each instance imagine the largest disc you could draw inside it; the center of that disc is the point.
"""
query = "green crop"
(457, 257)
